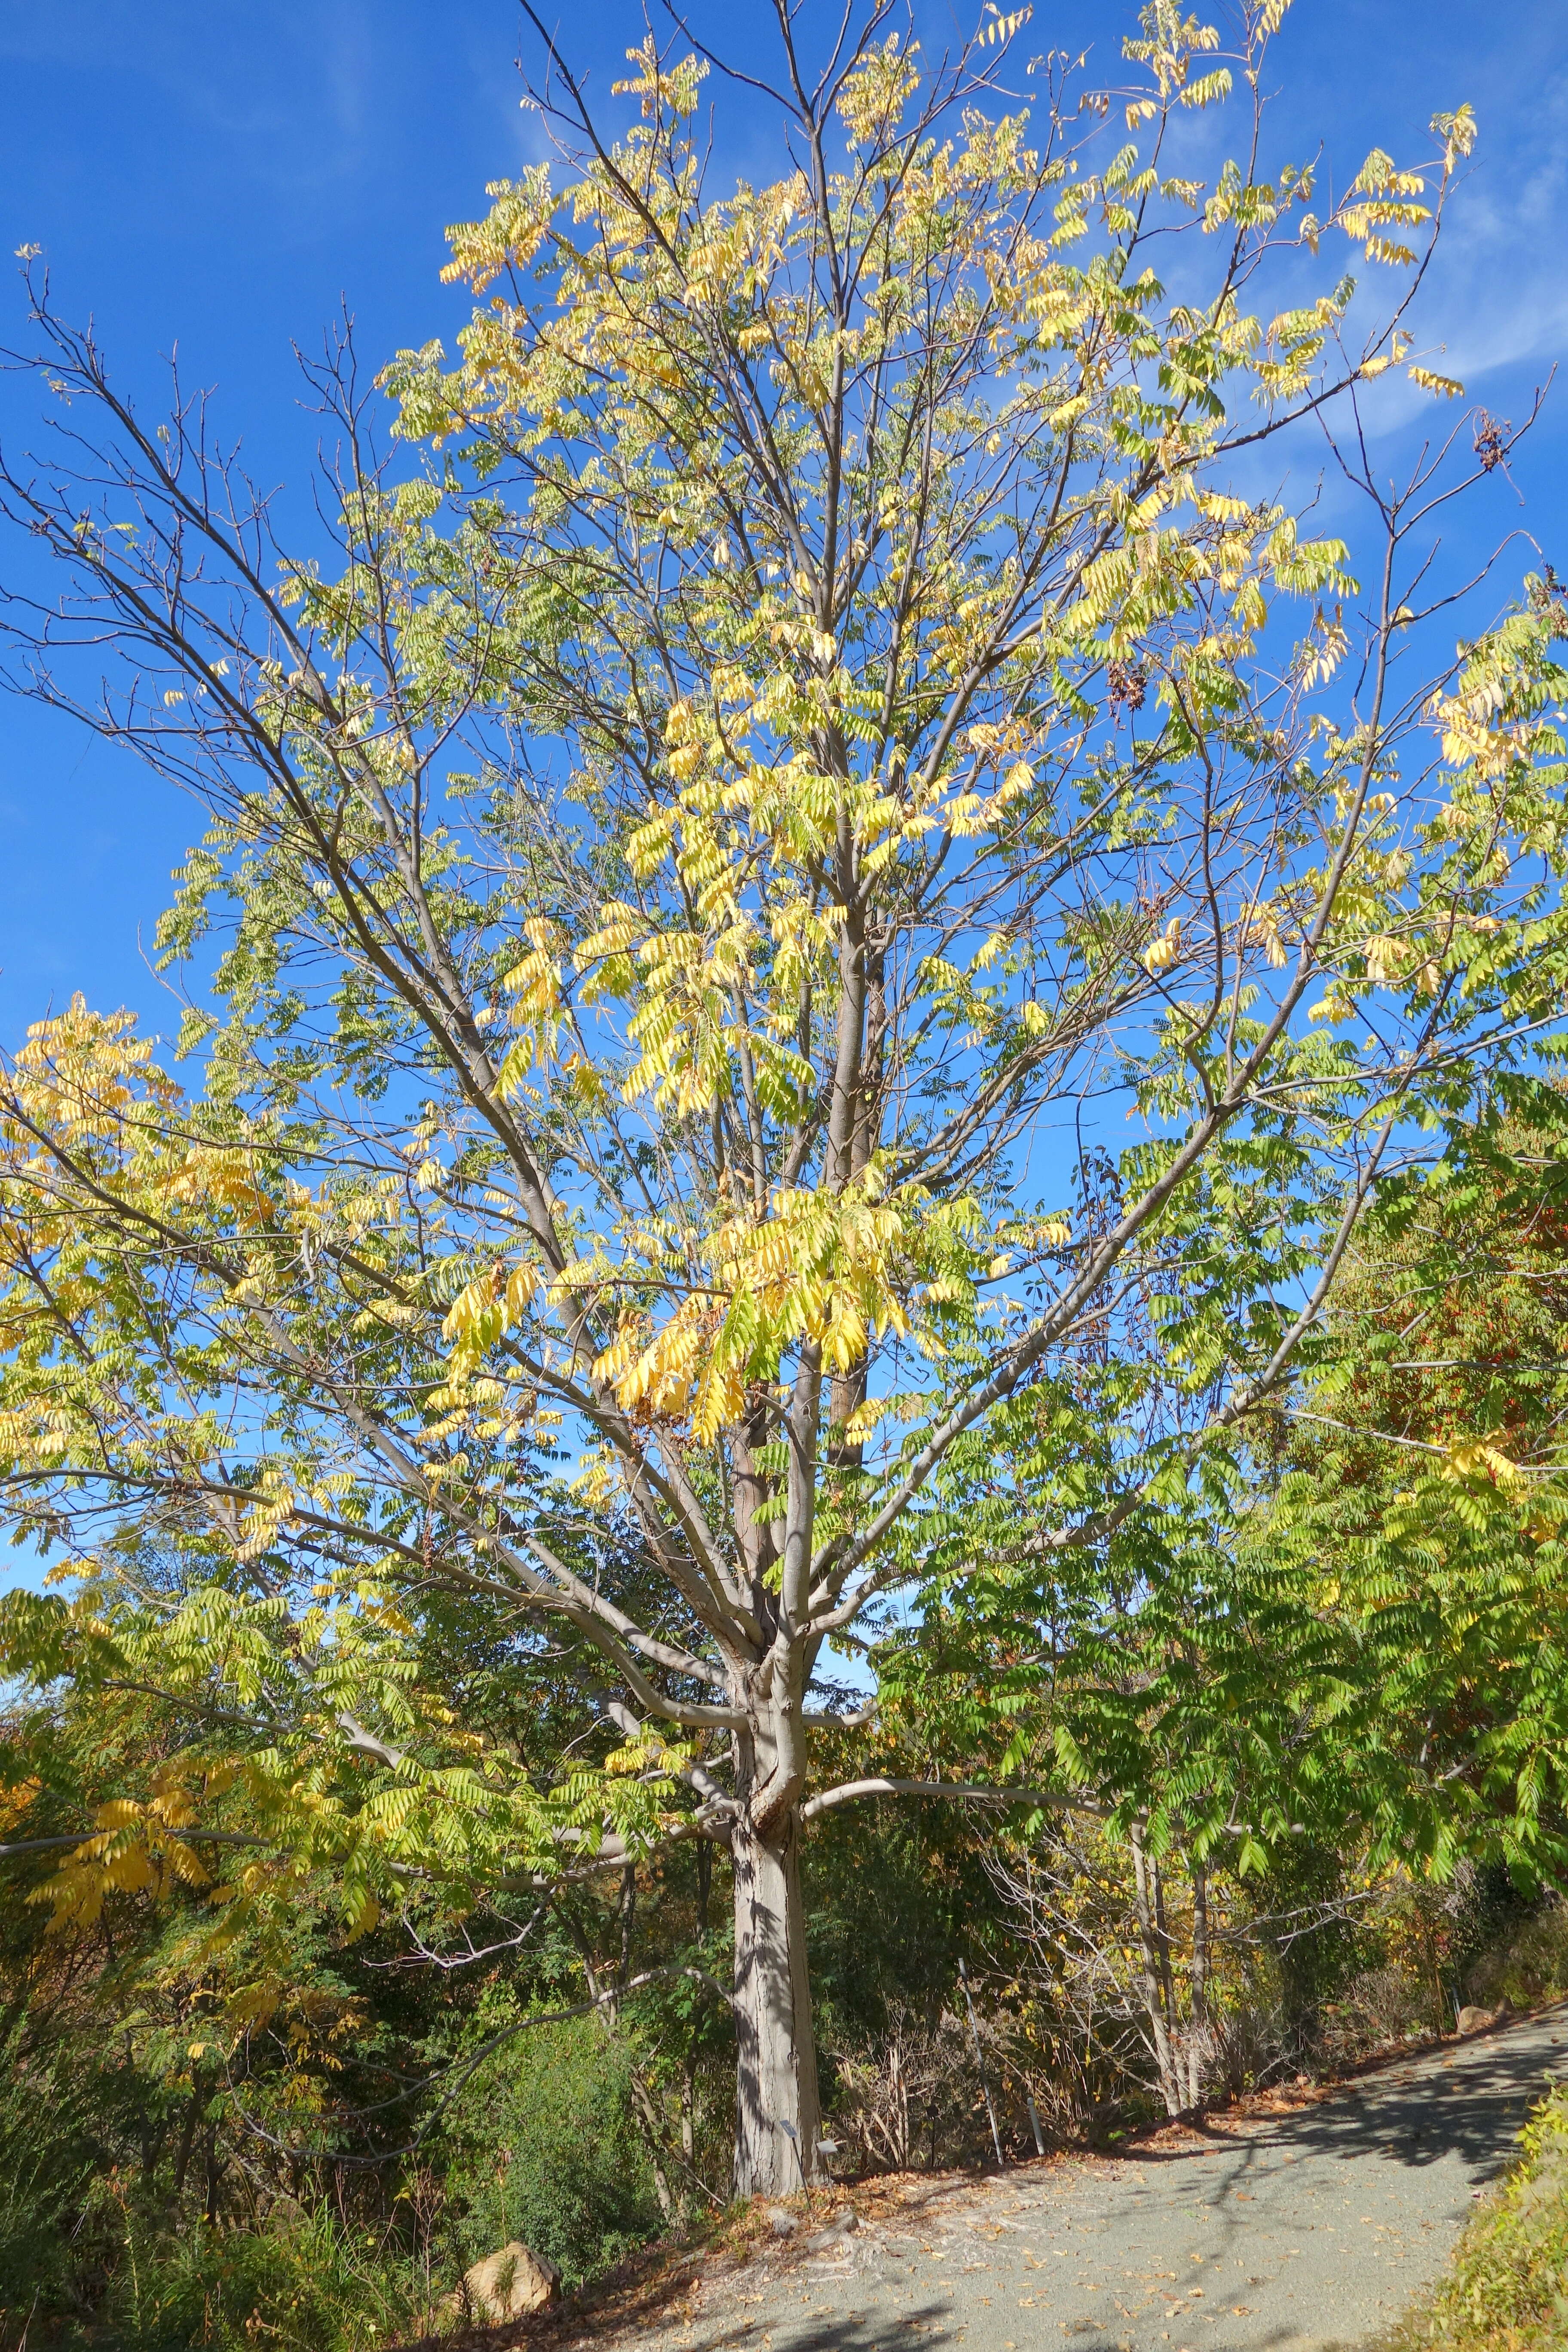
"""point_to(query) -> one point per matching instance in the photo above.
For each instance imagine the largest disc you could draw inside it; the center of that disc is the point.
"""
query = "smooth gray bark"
(777, 2116)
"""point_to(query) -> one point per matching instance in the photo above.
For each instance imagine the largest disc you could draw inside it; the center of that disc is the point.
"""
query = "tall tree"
(1345, 1639)
(809, 713)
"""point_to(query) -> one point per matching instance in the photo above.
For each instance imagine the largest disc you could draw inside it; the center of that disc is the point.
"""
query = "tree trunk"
(647, 2116)
(1152, 1982)
(1163, 1931)
(1200, 2040)
(777, 2118)
(188, 2132)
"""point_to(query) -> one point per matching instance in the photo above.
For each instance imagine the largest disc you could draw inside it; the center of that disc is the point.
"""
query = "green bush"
(300, 2285)
(1530, 1966)
(1507, 2288)
(545, 2147)
(128, 2280)
(53, 2138)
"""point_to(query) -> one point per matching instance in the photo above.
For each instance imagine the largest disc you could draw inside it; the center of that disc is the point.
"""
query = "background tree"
(1331, 1662)
(810, 714)
(1423, 1482)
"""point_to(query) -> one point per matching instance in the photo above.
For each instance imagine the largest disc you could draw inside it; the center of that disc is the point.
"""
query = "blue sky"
(221, 177)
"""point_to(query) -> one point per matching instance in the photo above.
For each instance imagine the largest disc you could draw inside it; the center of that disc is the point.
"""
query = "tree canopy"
(808, 727)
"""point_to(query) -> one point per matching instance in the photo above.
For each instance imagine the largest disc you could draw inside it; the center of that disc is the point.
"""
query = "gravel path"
(1283, 2232)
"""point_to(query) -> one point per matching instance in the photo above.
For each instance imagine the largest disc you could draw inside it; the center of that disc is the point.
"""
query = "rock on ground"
(507, 2285)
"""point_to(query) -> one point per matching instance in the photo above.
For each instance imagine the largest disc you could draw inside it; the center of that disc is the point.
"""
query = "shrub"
(545, 2146)
(129, 2280)
(1507, 2288)
(54, 2136)
(1531, 1966)
(300, 2285)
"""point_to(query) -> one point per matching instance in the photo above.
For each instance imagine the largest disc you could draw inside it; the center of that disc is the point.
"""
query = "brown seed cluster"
(1127, 685)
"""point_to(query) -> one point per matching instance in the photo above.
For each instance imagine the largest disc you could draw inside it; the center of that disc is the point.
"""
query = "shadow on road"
(922, 2326)
(1470, 2104)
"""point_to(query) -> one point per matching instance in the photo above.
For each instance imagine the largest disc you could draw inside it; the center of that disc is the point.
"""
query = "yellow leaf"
(1446, 387)
(15, 1800)
(1161, 953)
(1479, 1458)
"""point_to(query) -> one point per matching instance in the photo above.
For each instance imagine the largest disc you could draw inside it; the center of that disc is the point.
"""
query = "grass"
(1506, 2289)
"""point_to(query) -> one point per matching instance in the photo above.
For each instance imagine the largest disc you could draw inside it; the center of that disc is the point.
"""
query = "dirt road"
(1286, 2232)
